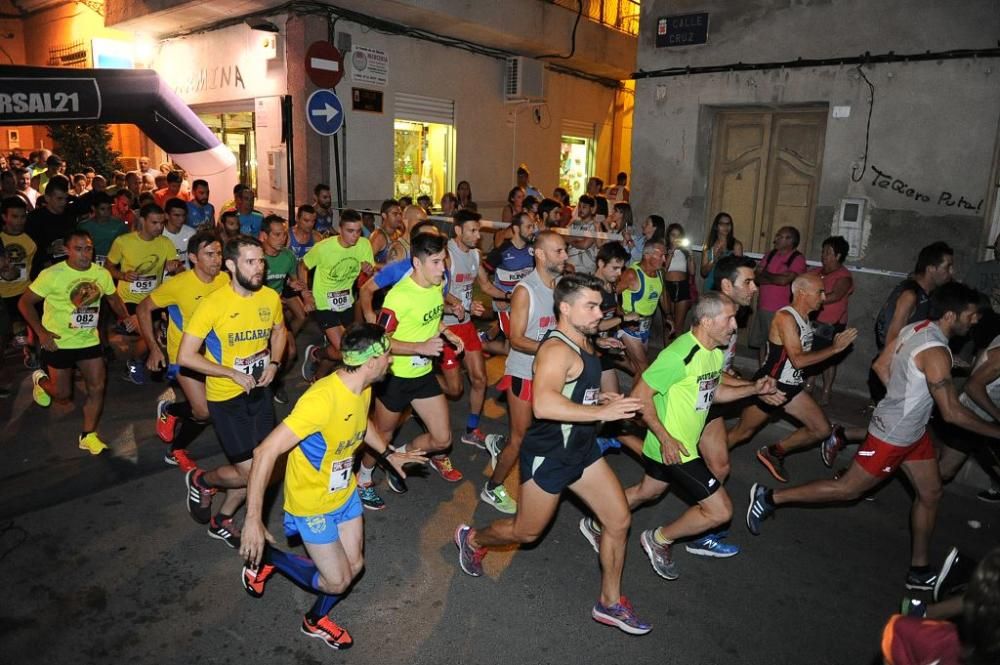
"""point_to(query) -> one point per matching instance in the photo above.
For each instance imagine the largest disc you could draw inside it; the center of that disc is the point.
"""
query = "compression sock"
(324, 603)
(179, 409)
(299, 569)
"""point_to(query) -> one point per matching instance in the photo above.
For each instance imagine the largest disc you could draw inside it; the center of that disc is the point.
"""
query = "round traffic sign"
(324, 112)
(324, 64)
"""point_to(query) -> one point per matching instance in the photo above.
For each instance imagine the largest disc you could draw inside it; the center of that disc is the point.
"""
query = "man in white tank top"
(788, 353)
(919, 379)
(531, 316)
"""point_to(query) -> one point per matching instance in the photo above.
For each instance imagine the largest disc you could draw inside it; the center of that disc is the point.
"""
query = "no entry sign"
(324, 64)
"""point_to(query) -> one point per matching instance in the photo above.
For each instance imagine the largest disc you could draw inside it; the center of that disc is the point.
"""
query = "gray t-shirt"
(541, 319)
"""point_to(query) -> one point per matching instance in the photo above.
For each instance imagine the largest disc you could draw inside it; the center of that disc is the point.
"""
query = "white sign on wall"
(222, 65)
(369, 65)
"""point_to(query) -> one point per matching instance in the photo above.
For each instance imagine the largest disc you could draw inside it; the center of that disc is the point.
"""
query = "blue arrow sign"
(324, 112)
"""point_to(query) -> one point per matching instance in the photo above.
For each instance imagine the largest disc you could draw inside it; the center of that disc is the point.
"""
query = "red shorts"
(449, 358)
(520, 388)
(881, 459)
(469, 335)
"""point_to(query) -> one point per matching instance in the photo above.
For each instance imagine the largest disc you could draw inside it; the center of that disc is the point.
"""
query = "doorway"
(766, 172)
(236, 131)
(423, 159)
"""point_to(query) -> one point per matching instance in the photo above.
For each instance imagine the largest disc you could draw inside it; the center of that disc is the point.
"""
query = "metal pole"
(287, 136)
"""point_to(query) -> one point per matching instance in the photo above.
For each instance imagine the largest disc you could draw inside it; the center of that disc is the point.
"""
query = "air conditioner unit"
(524, 80)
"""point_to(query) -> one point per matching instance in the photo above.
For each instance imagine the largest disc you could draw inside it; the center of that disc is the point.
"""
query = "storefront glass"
(424, 153)
(236, 131)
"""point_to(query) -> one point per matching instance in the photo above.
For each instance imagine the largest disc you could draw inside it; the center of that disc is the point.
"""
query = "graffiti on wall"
(885, 180)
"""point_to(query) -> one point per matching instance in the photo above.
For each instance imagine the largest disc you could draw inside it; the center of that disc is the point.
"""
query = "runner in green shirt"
(102, 227)
(677, 391)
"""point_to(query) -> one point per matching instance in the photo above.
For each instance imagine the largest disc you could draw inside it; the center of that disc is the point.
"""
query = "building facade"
(878, 122)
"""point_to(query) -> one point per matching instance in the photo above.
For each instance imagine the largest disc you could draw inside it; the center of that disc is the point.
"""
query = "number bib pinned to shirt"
(253, 365)
(145, 284)
(84, 318)
(706, 394)
(340, 474)
(340, 301)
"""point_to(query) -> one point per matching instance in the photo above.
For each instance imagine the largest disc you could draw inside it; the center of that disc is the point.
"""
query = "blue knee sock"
(299, 569)
(472, 422)
(324, 603)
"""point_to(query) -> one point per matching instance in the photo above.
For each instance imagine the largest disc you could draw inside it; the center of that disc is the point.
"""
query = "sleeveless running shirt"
(569, 443)
(464, 270)
(900, 419)
(541, 319)
(884, 318)
(644, 299)
(300, 248)
(992, 388)
(777, 363)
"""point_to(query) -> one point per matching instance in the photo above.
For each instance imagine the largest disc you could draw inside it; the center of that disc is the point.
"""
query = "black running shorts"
(242, 422)
(396, 393)
(693, 477)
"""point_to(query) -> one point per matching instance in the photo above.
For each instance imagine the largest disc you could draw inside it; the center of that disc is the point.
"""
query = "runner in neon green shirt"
(677, 391)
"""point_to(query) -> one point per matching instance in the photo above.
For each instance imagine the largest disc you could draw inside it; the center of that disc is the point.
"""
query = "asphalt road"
(102, 564)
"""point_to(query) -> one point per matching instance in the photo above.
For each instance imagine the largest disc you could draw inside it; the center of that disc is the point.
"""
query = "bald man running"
(789, 352)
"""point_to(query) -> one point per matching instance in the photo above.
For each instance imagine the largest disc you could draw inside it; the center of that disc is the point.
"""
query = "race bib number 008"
(340, 301)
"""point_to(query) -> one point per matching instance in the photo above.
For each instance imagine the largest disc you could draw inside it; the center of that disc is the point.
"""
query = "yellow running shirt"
(412, 313)
(20, 251)
(237, 332)
(330, 421)
(336, 269)
(73, 302)
(145, 257)
(181, 296)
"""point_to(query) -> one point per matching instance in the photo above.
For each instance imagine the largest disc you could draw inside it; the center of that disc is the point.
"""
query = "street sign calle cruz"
(324, 64)
(324, 112)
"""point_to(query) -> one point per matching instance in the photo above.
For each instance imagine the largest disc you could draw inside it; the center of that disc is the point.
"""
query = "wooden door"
(765, 173)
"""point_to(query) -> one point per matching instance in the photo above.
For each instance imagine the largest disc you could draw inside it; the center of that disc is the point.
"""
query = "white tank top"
(464, 270)
(678, 262)
(992, 389)
(900, 419)
(541, 319)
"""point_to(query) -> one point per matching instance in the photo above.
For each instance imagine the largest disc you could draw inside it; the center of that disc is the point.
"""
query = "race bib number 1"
(340, 474)
(84, 318)
(253, 365)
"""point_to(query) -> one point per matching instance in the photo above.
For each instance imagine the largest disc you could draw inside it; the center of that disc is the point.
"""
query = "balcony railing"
(621, 15)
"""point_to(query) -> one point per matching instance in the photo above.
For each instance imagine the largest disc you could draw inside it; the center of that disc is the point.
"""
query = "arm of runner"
(935, 363)
(520, 303)
(397, 459)
(366, 296)
(26, 305)
(306, 294)
(277, 349)
(277, 443)
(554, 364)
(430, 348)
(732, 389)
(788, 330)
(671, 450)
(188, 356)
(487, 286)
(984, 375)
(452, 338)
(144, 317)
(905, 305)
(114, 269)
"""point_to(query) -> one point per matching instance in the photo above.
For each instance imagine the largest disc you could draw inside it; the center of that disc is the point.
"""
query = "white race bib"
(144, 284)
(253, 365)
(84, 318)
(644, 324)
(706, 394)
(340, 301)
(340, 474)
(420, 361)
(100, 259)
(591, 396)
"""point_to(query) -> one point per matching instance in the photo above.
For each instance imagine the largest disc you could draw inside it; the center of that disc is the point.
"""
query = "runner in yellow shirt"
(328, 424)
(242, 329)
(138, 262)
(71, 292)
(338, 261)
(181, 296)
(411, 316)
(19, 253)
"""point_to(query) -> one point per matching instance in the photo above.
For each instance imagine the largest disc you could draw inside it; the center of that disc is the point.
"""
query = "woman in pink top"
(838, 286)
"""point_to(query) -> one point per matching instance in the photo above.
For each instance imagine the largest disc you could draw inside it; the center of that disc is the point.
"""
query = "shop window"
(236, 132)
(423, 159)
(576, 164)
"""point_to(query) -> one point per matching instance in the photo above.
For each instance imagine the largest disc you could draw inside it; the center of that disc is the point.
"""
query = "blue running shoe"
(712, 545)
(370, 498)
(759, 509)
(135, 372)
(621, 616)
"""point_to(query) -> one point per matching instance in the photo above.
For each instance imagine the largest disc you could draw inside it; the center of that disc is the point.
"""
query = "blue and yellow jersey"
(330, 421)
(237, 332)
(181, 296)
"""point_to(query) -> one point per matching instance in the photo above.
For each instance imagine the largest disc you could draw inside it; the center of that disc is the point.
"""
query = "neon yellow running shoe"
(37, 392)
(92, 444)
